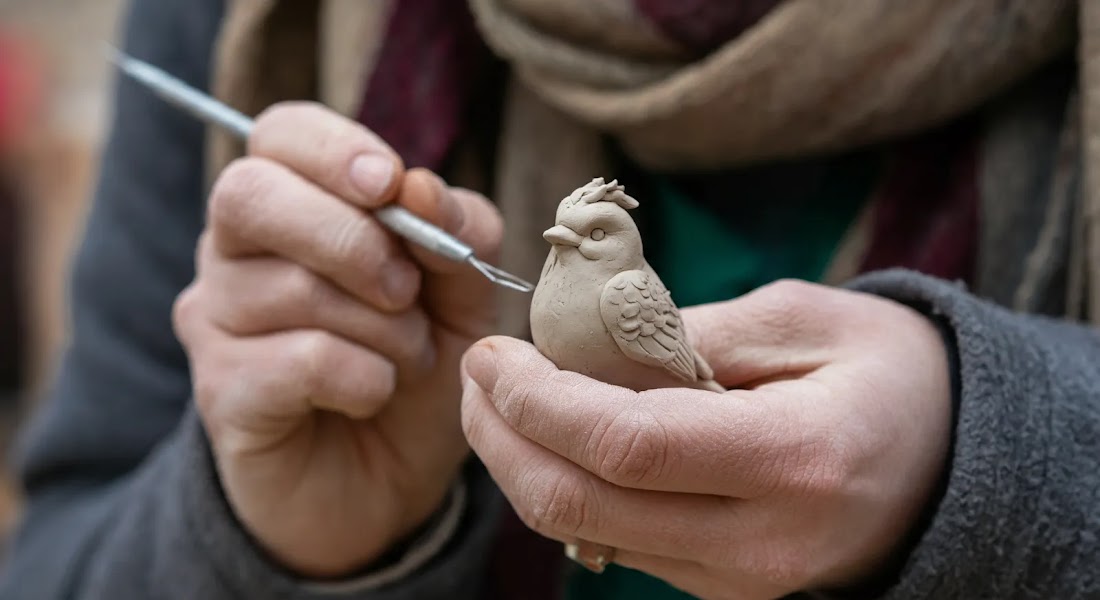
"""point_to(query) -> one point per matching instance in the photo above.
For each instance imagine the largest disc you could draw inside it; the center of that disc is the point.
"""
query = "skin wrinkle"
(275, 137)
(758, 450)
(778, 464)
(763, 456)
(719, 442)
(635, 457)
(563, 506)
(354, 241)
(228, 208)
(812, 449)
(513, 408)
(595, 433)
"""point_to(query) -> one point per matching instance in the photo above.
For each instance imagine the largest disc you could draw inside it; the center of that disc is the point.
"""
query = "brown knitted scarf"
(813, 75)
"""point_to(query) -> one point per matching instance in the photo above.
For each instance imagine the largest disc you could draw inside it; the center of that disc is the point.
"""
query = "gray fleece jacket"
(124, 502)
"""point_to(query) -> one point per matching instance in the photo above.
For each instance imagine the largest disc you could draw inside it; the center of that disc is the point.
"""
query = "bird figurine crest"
(599, 309)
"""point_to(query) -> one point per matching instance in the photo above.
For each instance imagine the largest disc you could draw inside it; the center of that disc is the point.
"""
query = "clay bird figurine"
(599, 309)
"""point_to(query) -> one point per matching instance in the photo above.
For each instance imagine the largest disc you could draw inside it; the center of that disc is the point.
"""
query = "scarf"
(647, 71)
(810, 76)
(752, 81)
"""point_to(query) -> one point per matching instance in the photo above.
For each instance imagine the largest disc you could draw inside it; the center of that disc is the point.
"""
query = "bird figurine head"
(592, 225)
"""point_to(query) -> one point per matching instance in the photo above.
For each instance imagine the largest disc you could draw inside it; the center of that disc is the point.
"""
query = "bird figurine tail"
(712, 386)
(705, 375)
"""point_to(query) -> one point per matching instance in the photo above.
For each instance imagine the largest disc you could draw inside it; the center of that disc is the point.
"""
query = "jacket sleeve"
(122, 499)
(1020, 514)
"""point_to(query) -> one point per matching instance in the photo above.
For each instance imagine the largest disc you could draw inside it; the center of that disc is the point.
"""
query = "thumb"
(455, 295)
(781, 330)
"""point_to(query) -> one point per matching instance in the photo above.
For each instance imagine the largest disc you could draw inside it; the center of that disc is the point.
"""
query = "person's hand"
(325, 352)
(807, 477)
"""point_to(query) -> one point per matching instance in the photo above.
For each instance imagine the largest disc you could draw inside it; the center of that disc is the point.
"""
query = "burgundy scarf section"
(703, 25)
(926, 210)
(420, 89)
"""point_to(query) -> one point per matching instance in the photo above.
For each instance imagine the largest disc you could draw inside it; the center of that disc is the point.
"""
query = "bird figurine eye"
(597, 234)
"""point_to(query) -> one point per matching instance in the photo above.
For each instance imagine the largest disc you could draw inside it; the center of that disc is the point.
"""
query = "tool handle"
(207, 108)
(421, 232)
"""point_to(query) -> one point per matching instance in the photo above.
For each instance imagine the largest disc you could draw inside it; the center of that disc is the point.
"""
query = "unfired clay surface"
(599, 308)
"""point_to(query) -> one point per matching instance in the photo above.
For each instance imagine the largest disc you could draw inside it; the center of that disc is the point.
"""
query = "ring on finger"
(592, 556)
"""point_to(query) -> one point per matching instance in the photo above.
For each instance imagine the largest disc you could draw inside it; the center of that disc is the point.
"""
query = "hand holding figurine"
(806, 475)
(614, 435)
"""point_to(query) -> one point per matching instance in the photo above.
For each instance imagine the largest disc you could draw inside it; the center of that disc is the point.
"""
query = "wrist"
(345, 552)
(408, 555)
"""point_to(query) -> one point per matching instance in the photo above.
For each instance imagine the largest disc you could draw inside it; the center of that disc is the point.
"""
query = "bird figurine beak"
(560, 235)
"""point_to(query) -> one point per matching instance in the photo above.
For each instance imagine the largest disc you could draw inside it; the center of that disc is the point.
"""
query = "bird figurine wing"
(640, 314)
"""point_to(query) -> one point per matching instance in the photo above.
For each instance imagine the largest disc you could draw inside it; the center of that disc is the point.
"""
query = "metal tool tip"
(500, 276)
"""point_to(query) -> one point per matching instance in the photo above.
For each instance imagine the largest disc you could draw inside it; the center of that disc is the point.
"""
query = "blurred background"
(54, 106)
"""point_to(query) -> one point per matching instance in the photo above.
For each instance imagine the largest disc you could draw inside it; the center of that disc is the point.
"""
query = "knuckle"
(308, 357)
(205, 387)
(209, 377)
(514, 402)
(561, 504)
(291, 296)
(219, 393)
(238, 317)
(355, 242)
(300, 287)
(787, 305)
(237, 186)
(185, 309)
(634, 449)
(383, 378)
(334, 138)
(792, 288)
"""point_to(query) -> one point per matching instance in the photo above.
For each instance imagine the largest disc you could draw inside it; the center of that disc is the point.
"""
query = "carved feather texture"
(640, 314)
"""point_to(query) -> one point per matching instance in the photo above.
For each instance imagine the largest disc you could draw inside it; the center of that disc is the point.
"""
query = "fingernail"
(480, 364)
(372, 174)
(399, 283)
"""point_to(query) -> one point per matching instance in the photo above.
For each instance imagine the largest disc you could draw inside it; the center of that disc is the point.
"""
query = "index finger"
(735, 444)
(334, 152)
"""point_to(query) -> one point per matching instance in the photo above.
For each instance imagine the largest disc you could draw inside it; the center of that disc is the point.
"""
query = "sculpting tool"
(397, 219)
